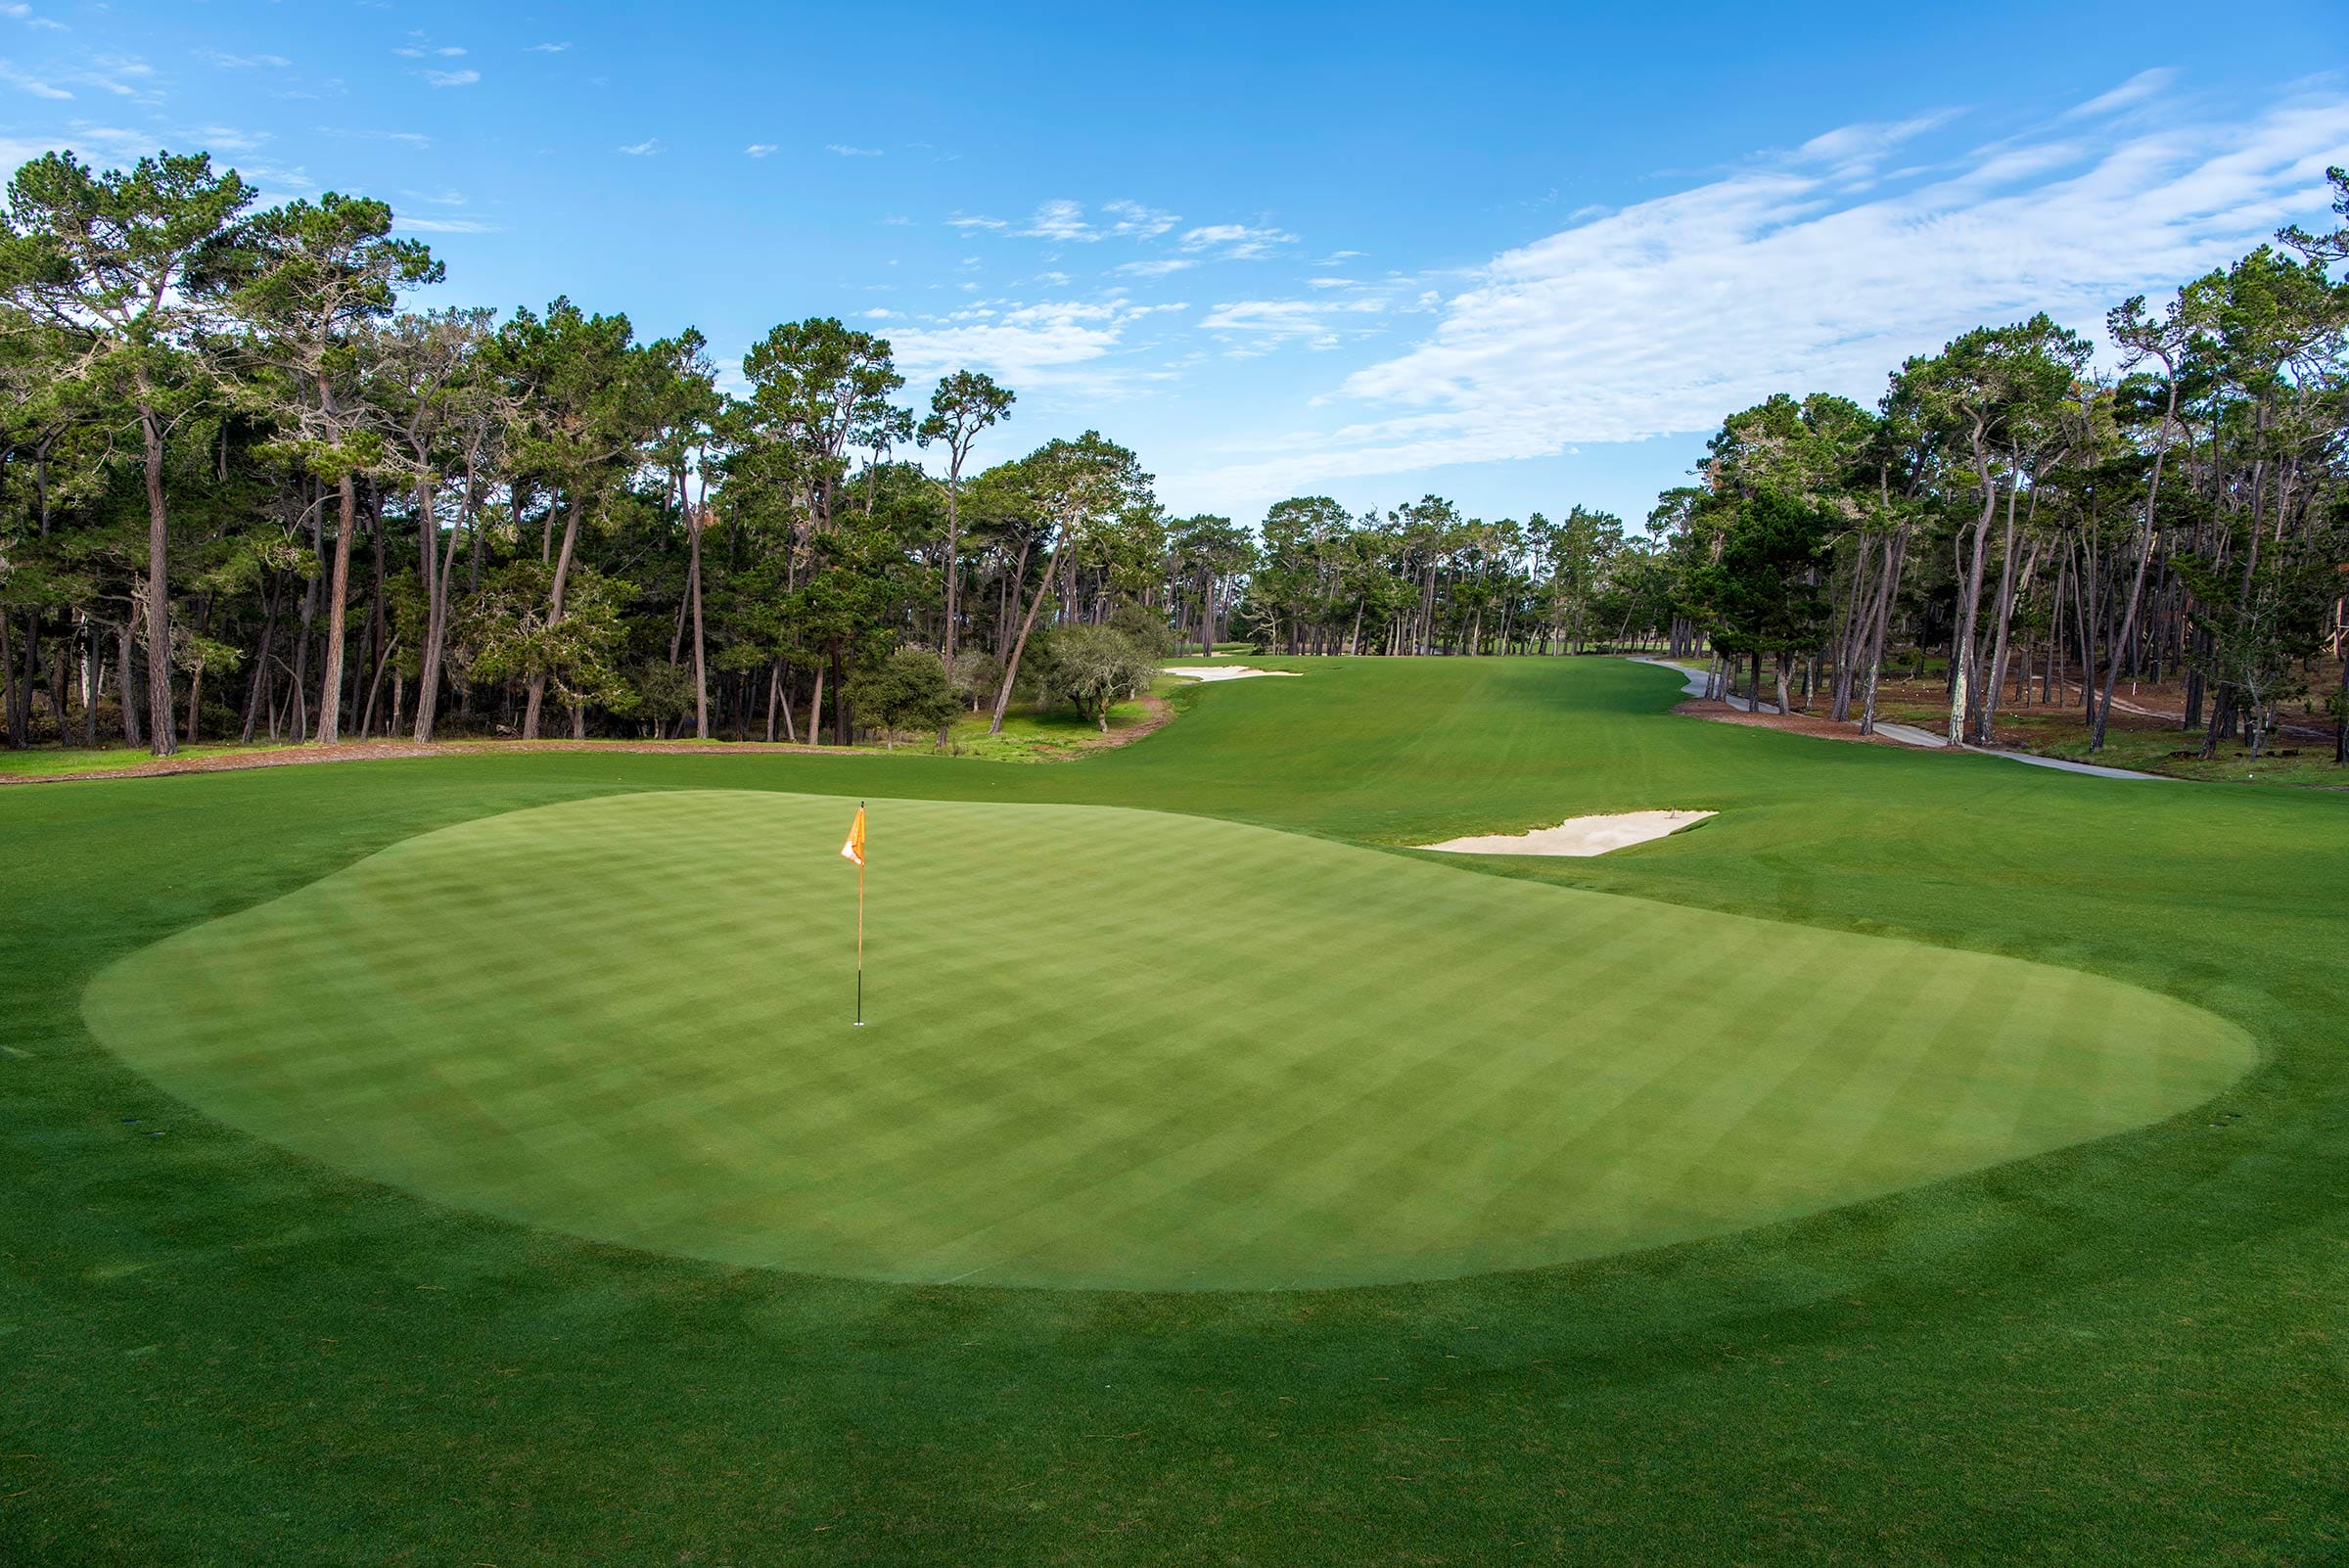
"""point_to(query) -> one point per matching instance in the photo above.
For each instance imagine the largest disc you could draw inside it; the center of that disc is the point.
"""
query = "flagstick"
(860, 933)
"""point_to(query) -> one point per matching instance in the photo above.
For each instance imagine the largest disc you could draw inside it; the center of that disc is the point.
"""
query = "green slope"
(1171, 1053)
(2122, 1350)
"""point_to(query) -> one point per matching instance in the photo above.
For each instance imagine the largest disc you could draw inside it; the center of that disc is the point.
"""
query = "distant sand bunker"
(1226, 673)
(1578, 835)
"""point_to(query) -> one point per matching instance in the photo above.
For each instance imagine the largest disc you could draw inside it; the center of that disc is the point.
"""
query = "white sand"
(1578, 835)
(1225, 673)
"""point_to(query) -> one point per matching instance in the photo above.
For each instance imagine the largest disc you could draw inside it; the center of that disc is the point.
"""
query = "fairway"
(1107, 1048)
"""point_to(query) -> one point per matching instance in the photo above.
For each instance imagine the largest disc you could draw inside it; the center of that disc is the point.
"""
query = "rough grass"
(50, 761)
(224, 1352)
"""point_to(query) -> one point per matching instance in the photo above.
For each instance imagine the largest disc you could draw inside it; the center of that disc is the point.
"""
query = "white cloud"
(452, 78)
(959, 222)
(1061, 220)
(408, 138)
(760, 150)
(650, 147)
(2136, 90)
(1058, 342)
(427, 225)
(1065, 221)
(1236, 242)
(1138, 221)
(546, 48)
(227, 62)
(229, 139)
(123, 76)
(34, 85)
(844, 150)
(1286, 318)
(1158, 268)
(1814, 271)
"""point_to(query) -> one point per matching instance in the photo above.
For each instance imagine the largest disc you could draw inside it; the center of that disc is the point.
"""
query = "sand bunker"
(1226, 673)
(1578, 835)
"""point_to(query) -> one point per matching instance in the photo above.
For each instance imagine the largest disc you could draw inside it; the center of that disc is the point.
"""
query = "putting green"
(1107, 1047)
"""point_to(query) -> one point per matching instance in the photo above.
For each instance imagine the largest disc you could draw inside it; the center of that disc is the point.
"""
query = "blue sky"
(1521, 257)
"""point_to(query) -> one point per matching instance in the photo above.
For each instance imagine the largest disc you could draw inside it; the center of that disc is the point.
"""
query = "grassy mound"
(1107, 1047)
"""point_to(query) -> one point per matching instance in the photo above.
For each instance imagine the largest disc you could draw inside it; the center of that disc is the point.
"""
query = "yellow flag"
(854, 850)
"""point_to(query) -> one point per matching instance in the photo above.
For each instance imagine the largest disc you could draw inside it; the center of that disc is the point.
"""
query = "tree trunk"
(1011, 666)
(259, 689)
(953, 557)
(19, 717)
(158, 585)
(337, 595)
(1961, 645)
(438, 566)
(701, 662)
(842, 735)
(2011, 586)
(554, 609)
(132, 734)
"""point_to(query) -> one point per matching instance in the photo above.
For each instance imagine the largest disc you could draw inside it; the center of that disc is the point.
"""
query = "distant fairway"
(1107, 1048)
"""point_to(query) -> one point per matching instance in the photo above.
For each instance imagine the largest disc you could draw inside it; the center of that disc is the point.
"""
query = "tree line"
(248, 491)
(2186, 517)
(251, 494)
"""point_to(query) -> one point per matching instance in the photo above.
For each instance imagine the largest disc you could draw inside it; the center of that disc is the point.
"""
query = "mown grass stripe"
(1106, 1047)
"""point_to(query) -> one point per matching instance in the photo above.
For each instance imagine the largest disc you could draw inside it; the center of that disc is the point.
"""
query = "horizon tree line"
(245, 491)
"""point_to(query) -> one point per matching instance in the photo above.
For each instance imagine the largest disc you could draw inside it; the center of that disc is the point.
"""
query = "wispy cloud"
(546, 48)
(1817, 270)
(1158, 268)
(432, 225)
(962, 221)
(451, 78)
(1060, 220)
(1065, 221)
(228, 62)
(405, 138)
(123, 76)
(760, 150)
(1064, 343)
(1137, 222)
(23, 81)
(844, 150)
(648, 147)
(1285, 318)
(2136, 90)
(1236, 242)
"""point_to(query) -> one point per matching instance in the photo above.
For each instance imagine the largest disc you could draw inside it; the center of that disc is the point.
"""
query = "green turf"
(1341, 1068)
(2119, 1352)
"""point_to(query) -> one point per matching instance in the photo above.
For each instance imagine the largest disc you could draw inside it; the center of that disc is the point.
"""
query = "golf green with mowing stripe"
(1106, 1047)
